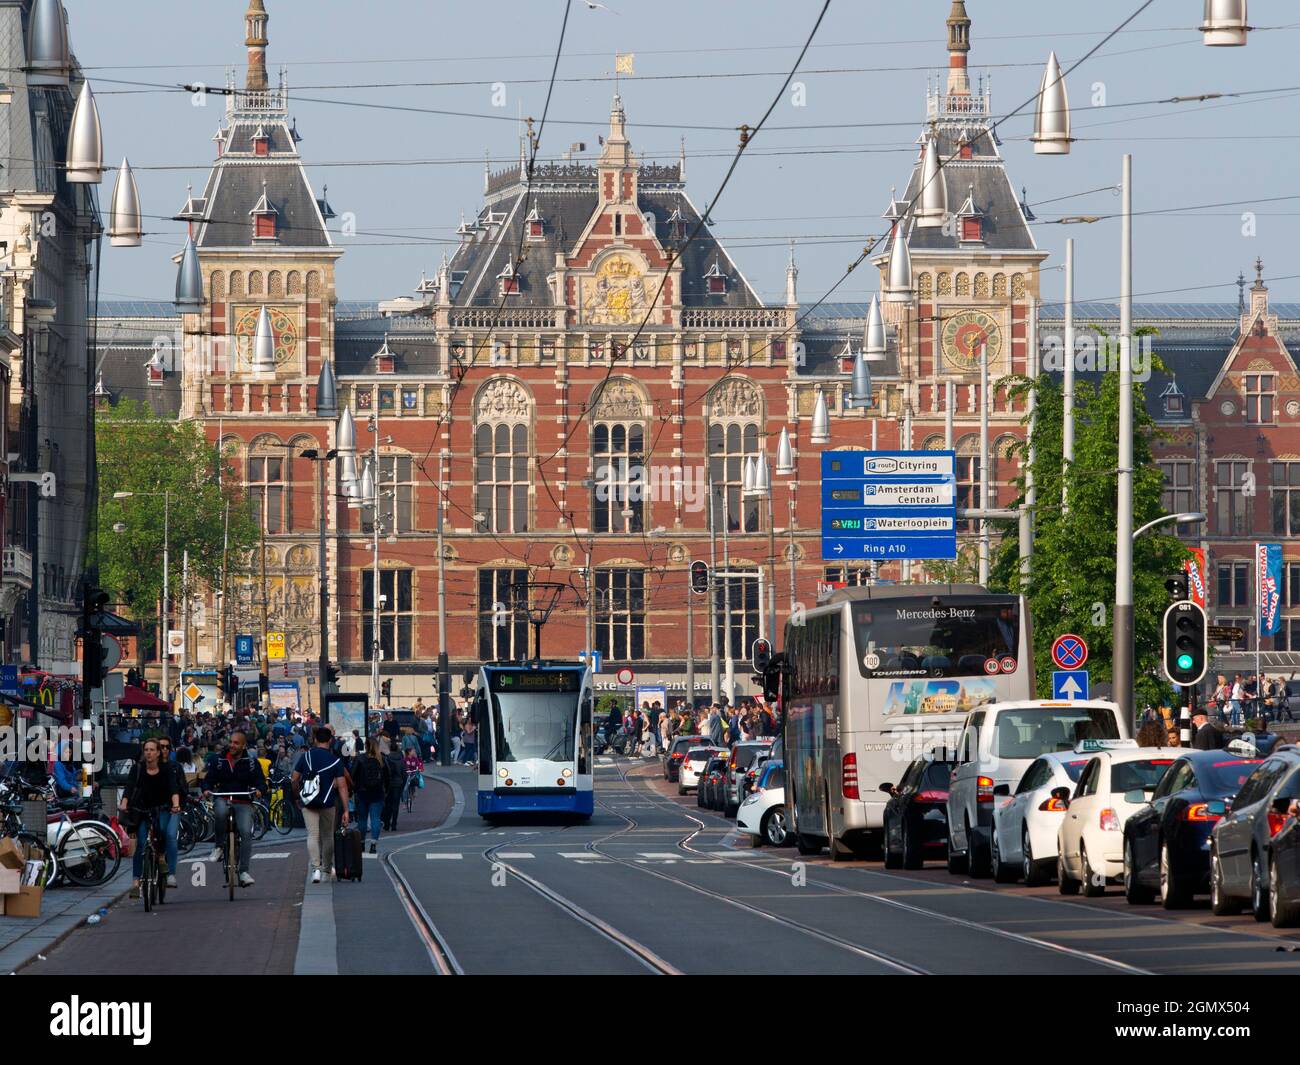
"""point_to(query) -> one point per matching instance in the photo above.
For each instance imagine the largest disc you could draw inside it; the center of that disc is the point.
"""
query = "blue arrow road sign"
(592, 658)
(1070, 684)
(888, 505)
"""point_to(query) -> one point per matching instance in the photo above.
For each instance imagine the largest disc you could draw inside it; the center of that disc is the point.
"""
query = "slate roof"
(566, 199)
(411, 341)
(984, 178)
(235, 185)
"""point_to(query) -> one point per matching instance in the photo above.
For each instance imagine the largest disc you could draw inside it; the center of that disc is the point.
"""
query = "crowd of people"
(652, 728)
(1246, 697)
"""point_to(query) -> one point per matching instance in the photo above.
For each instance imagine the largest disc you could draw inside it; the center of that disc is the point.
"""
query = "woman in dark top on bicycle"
(153, 785)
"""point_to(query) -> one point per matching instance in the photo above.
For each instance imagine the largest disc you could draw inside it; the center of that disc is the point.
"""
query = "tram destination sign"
(879, 505)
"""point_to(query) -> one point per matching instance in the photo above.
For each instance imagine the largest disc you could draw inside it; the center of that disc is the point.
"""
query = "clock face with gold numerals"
(284, 327)
(963, 336)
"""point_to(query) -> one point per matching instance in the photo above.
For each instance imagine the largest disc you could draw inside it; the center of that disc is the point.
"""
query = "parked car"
(1284, 872)
(743, 755)
(690, 767)
(916, 816)
(713, 782)
(762, 814)
(1025, 823)
(1242, 843)
(997, 744)
(1167, 843)
(673, 759)
(1113, 786)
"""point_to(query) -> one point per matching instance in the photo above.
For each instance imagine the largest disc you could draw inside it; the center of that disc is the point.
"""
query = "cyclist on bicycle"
(153, 785)
(235, 771)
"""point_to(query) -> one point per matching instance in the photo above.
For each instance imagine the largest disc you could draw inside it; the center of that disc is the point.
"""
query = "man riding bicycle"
(235, 771)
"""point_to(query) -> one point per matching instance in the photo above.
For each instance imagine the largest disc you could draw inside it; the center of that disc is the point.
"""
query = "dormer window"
(261, 142)
(264, 215)
(965, 150)
(536, 227)
(972, 218)
(716, 280)
(971, 229)
(509, 280)
(677, 224)
(1172, 400)
(385, 360)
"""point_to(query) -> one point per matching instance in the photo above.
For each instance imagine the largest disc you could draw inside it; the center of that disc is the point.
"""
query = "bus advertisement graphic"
(948, 696)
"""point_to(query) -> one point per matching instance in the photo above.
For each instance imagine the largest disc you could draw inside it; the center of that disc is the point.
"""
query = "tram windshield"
(533, 723)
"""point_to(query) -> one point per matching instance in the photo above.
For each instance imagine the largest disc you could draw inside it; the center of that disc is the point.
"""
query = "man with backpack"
(395, 765)
(320, 781)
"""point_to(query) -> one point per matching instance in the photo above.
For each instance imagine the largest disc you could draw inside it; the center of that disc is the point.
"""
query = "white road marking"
(513, 854)
(658, 854)
(367, 854)
(445, 857)
(575, 854)
(273, 854)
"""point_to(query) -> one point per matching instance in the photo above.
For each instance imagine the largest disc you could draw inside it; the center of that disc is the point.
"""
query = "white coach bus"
(877, 676)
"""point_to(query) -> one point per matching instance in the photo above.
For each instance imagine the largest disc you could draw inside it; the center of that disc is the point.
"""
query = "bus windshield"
(534, 725)
(960, 637)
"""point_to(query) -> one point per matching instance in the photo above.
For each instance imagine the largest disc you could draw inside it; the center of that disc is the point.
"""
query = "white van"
(998, 743)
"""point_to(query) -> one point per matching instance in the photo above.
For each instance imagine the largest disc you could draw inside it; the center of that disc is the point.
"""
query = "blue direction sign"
(9, 680)
(244, 649)
(889, 504)
(1070, 684)
(592, 658)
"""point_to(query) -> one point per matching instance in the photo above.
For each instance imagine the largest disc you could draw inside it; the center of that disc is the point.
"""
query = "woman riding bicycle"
(153, 785)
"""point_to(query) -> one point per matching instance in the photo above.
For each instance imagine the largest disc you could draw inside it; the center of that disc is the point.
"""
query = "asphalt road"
(653, 884)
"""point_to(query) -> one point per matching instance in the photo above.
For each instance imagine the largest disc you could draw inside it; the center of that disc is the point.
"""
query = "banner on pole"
(1268, 582)
(1195, 568)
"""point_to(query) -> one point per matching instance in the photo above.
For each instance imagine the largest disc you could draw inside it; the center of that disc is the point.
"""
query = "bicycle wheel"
(184, 837)
(160, 878)
(232, 857)
(89, 853)
(282, 816)
(410, 796)
(260, 820)
(148, 875)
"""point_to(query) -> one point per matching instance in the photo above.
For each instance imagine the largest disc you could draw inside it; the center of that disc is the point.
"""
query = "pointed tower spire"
(681, 162)
(791, 281)
(189, 279)
(958, 49)
(327, 392)
(255, 40)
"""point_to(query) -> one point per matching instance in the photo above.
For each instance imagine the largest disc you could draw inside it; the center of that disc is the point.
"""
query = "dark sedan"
(712, 782)
(1241, 855)
(1167, 843)
(916, 816)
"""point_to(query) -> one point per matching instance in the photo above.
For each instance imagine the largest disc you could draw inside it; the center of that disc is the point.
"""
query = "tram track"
(880, 957)
(921, 911)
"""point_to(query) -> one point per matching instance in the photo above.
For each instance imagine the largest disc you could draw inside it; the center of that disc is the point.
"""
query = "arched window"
(729, 446)
(618, 477)
(503, 411)
(501, 477)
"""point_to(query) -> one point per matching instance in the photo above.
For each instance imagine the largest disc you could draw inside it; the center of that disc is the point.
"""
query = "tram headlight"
(567, 773)
(502, 773)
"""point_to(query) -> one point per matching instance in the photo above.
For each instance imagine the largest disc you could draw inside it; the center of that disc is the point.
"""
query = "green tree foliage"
(148, 455)
(1072, 579)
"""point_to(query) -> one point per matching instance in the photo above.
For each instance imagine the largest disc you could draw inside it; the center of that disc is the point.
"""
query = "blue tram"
(534, 722)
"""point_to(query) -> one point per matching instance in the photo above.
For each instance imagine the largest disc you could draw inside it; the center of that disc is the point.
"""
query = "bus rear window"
(916, 638)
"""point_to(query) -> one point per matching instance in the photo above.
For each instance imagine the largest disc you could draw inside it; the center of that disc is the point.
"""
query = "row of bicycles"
(84, 847)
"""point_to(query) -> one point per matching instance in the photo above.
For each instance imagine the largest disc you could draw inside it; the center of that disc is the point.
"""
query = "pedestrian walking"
(395, 762)
(370, 781)
(320, 781)
(1236, 699)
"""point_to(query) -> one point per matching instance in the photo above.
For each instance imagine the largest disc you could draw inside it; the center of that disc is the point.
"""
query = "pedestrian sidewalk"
(65, 909)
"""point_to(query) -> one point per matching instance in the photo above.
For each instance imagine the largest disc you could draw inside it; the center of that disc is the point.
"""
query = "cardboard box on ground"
(19, 900)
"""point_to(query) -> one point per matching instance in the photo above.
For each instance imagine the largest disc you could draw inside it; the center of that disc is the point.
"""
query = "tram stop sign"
(1069, 651)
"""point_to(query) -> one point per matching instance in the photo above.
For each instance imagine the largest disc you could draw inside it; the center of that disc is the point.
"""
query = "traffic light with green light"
(1186, 649)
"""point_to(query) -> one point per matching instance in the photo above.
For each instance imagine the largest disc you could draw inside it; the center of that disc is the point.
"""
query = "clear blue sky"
(824, 187)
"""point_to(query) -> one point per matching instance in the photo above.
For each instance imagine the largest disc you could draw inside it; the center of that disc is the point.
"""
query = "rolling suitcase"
(347, 853)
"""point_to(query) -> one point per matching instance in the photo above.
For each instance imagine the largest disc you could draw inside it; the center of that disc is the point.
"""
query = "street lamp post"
(1122, 637)
(322, 459)
(166, 590)
(1188, 517)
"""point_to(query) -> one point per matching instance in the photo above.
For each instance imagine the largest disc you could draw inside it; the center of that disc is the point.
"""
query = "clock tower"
(975, 264)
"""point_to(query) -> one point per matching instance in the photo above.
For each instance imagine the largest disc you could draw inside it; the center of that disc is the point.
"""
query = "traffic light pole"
(322, 681)
(444, 672)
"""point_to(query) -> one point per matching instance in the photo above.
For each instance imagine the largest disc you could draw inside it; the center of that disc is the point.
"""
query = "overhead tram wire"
(871, 248)
(747, 135)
